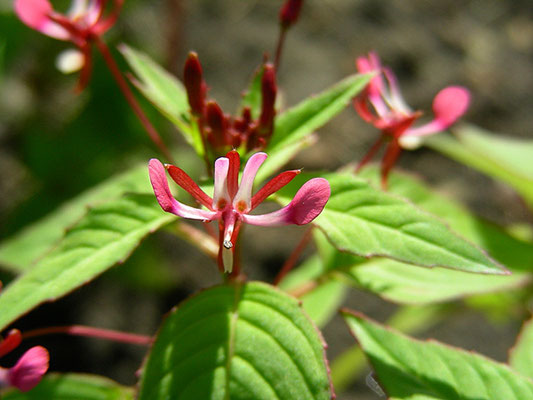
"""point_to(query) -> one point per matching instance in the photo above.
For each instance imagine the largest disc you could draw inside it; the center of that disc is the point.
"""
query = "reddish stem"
(392, 153)
(279, 47)
(80, 330)
(130, 98)
(368, 156)
(291, 261)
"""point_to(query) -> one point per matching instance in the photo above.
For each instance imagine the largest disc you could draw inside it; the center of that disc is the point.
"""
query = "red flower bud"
(194, 83)
(216, 120)
(289, 13)
(268, 100)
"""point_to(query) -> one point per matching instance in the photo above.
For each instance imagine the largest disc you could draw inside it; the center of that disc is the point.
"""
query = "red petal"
(185, 181)
(273, 186)
(11, 341)
(233, 172)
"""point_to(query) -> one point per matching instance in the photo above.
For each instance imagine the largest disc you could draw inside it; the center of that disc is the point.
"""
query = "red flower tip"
(10, 342)
(194, 83)
(289, 12)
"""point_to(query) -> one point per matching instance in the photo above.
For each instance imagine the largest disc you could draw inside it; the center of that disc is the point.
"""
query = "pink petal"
(165, 199)
(304, 207)
(29, 369)
(220, 191)
(35, 14)
(243, 198)
(449, 104)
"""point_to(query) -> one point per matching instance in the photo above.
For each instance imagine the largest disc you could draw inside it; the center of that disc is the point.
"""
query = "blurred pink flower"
(81, 25)
(29, 369)
(232, 203)
(382, 104)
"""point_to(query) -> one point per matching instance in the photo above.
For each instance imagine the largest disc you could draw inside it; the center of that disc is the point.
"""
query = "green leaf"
(412, 369)
(322, 302)
(20, 251)
(408, 319)
(166, 92)
(521, 355)
(240, 341)
(105, 236)
(368, 222)
(296, 123)
(73, 387)
(514, 253)
(501, 157)
(406, 284)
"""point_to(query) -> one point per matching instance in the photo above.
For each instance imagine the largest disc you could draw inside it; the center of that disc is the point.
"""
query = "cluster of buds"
(83, 24)
(29, 369)
(221, 131)
(394, 118)
(232, 202)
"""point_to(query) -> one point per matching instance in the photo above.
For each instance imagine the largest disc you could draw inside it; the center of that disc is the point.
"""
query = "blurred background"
(54, 143)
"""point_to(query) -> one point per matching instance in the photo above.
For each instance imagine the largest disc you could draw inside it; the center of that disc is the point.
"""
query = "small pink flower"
(29, 369)
(382, 104)
(232, 202)
(81, 25)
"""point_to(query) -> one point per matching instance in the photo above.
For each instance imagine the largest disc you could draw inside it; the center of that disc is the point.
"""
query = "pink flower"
(81, 25)
(382, 104)
(29, 369)
(232, 203)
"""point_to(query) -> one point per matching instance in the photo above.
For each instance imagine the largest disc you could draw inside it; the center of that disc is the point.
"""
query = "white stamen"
(228, 244)
(410, 142)
(70, 61)
(227, 259)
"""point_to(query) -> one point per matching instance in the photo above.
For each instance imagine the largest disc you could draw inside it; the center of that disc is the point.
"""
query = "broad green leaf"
(324, 299)
(166, 92)
(237, 341)
(368, 222)
(514, 253)
(105, 236)
(521, 355)
(296, 123)
(20, 251)
(73, 387)
(252, 97)
(412, 369)
(407, 284)
(501, 157)
(408, 319)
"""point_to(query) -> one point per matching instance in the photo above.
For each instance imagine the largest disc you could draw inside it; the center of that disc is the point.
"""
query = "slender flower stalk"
(382, 105)
(232, 202)
(84, 24)
(30, 367)
(288, 16)
(80, 330)
(293, 258)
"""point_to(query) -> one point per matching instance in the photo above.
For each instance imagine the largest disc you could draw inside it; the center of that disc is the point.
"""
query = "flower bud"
(268, 100)
(289, 13)
(194, 83)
